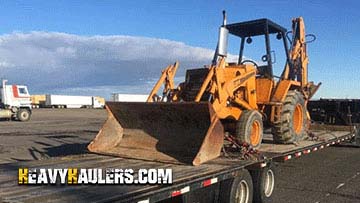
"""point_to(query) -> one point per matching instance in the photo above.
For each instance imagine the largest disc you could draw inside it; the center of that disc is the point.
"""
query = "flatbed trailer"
(213, 181)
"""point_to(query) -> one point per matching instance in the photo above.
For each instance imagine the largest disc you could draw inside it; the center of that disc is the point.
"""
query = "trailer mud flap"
(187, 132)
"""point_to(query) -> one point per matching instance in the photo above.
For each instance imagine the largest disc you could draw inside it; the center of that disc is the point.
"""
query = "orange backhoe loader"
(188, 122)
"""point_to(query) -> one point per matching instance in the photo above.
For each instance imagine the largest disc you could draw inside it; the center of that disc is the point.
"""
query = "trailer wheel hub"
(242, 192)
(269, 183)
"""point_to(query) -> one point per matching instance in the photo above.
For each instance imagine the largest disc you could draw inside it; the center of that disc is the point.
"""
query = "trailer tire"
(237, 190)
(249, 128)
(264, 184)
(293, 121)
(23, 115)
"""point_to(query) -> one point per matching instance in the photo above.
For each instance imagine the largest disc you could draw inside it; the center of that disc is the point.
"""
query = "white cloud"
(5, 64)
(53, 62)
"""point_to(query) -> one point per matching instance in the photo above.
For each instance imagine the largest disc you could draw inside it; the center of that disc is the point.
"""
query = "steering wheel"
(249, 61)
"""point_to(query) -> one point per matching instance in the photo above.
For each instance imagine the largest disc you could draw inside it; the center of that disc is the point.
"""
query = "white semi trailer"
(129, 97)
(69, 101)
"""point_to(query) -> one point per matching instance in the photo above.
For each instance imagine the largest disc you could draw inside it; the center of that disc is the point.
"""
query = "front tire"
(249, 128)
(23, 115)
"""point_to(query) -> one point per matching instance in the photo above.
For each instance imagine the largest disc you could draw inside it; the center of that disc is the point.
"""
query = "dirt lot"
(330, 175)
(49, 133)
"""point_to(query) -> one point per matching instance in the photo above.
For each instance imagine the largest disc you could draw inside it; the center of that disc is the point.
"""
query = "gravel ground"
(330, 175)
(49, 133)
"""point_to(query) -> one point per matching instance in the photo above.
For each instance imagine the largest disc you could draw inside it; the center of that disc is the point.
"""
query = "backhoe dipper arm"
(298, 53)
(299, 58)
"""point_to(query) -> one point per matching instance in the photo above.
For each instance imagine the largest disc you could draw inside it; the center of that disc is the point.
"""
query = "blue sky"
(334, 56)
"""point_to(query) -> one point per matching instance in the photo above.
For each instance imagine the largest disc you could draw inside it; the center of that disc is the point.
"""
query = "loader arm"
(209, 79)
(224, 90)
(166, 78)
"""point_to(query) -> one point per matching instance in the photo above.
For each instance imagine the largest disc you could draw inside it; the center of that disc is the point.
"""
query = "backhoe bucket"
(188, 132)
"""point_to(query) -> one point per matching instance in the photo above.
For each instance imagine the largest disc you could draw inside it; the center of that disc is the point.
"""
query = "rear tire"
(237, 190)
(264, 184)
(293, 120)
(23, 115)
(249, 128)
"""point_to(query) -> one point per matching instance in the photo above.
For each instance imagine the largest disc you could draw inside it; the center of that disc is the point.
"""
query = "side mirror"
(264, 58)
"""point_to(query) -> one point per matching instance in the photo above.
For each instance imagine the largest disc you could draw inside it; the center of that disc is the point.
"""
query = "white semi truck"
(15, 102)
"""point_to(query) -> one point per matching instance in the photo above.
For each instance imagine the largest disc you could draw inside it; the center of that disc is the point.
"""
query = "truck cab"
(15, 102)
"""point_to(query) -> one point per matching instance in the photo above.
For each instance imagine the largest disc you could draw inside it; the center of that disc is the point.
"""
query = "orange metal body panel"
(282, 89)
(264, 88)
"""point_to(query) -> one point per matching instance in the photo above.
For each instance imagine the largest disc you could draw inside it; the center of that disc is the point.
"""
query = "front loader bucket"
(188, 132)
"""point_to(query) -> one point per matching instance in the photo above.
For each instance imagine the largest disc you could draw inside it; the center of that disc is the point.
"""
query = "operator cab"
(247, 30)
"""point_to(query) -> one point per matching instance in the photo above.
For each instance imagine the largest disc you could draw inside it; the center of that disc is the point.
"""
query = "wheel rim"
(242, 192)
(269, 183)
(255, 133)
(24, 115)
(298, 118)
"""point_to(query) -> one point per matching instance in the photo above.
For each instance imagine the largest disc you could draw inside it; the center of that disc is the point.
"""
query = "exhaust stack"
(221, 48)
